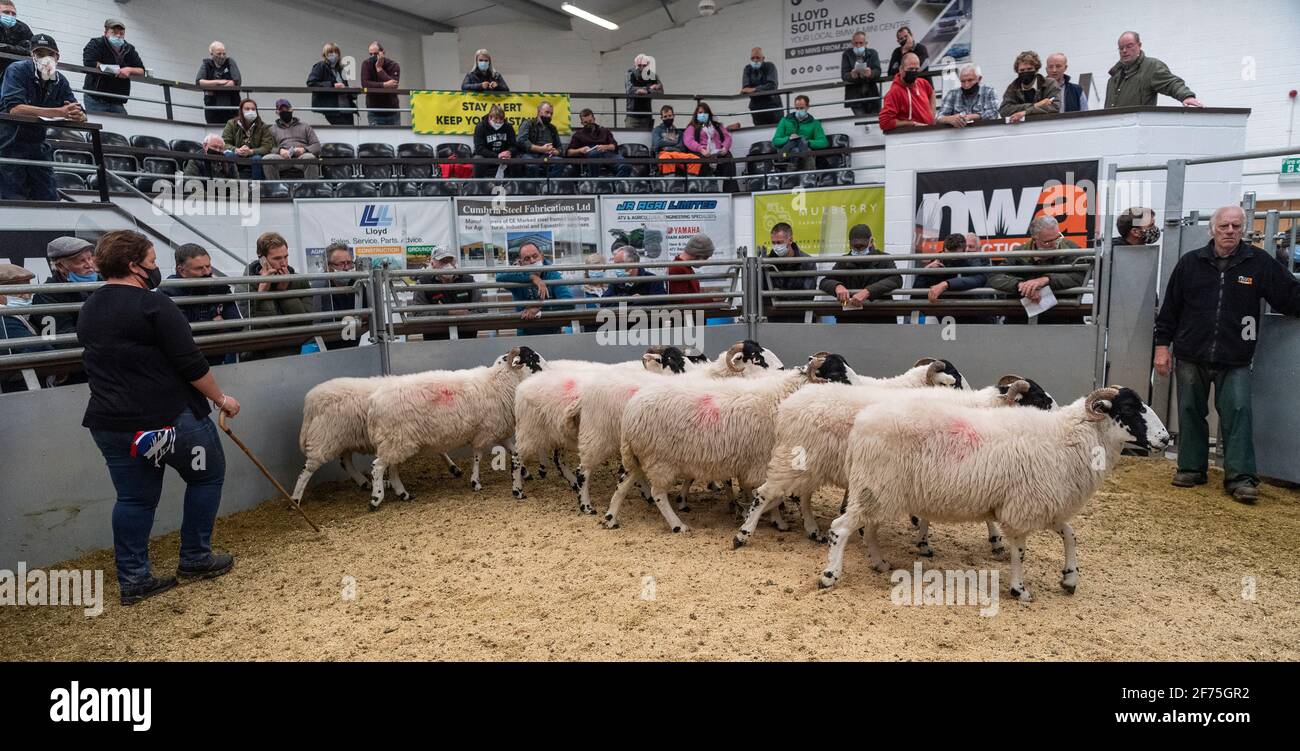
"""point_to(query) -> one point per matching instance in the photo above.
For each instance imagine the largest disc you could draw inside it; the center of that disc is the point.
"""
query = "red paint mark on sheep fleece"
(707, 412)
(570, 389)
(631, 391)
(962, 439)
(441, 395)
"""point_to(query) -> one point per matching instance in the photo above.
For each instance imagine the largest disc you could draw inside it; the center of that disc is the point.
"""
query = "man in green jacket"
(273, 260)
(1045, 234)
(800, 133)
(1136, 79)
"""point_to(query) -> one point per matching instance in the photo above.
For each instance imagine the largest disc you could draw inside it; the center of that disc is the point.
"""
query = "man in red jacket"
(910, 100)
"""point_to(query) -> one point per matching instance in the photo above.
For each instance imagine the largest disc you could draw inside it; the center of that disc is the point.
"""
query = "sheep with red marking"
(1027, 469)
(708, 428)
(444, 409)
(813, 432)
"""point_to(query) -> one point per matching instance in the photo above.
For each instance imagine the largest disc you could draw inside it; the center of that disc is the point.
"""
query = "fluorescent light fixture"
(574, 10)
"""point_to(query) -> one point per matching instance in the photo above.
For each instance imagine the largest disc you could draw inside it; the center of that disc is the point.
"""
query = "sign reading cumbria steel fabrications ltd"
(816, 33)
(998, 203)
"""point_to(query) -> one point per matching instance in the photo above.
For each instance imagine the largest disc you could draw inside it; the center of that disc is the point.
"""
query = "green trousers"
(1232, 400)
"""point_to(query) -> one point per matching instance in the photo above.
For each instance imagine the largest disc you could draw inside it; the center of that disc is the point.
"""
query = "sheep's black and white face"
(697, 358)
(528, 357)
(754, 354)
(834, 369)
(951, 370)
(1139, 421)
(1036, 396)
(672, 360)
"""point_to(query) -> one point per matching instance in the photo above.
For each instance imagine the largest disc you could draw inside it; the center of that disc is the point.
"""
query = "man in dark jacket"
(494, 138)
(445, 259)
(273, 261)
(194, 262)
(15, 36)
(628, 254)
(1136, 226)
(219, 70)
(859, 67)
(973, 272)
(327, 73)
(33, 88)
(1073, 97)
(1210, 315)
(118, 61)
(906, 43)
(1044, 234)
(538, 139)
(594, 141)
(761, 76)
(16, 326)
(215, 147)
(1030, 92)
(381, 73)
(784, 246)
(859, 289)
(71, 261)
(338, 259)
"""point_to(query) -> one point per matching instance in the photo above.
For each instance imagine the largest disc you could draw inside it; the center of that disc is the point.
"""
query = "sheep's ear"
(516, 362)
(650, 359)
(736, 361)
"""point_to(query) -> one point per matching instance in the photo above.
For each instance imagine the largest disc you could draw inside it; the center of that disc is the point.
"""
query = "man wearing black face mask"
(1137, 226)
(215, 147)
(193, 262)
(538, 139)
(972, 102)
(910, 99)
(593, 141)
(1031, 92)
(219, 72)
(294, 139)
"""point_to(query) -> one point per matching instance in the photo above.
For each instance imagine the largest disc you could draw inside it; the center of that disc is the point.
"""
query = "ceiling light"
(573, 10)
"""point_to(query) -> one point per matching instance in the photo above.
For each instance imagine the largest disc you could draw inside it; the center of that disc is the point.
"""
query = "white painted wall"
(274, 43)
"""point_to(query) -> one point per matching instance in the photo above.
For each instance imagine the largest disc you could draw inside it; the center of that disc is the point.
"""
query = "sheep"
(1026, 468)
(708, 428)
(448, 408)
(541, 403)
(334, 427)
(812, 437)
(928, 371)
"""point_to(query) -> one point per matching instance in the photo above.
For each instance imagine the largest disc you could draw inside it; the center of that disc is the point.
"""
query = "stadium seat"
(835, 161)
(70, 156)
(149, 142)
(376, 151)
(113, 139)
(416, 171)
(69, 180)
(455, 151)
(704, 186)
(274, 190)
(312, 190)
(337, 151)
(160, 165)
(189, 147)
(65, 134)
(378, 171)
(358, 190)
(121, 163)
(760, 166)
(636, 151)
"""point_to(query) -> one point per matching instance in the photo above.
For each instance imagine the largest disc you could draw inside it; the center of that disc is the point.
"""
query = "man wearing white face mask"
(784, 246)
(33, 88)
(15, 36)
(117, 61)
(12, 324)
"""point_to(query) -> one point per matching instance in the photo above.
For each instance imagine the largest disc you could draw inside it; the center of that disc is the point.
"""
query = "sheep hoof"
(1069, 588)
(881, 566)
(609, 523)
(915, 521)
(1021, 594)
(738, 541)
(684, 509)
(541, 473)
(574, 487)
(525, 474)
(517, 493)
(586, 510)
(374, 505)
(924, 550)
(475, 485)
(364, 484)
(827, 580)
(455, 471)
(714, 487)
(406, 496)
(817, 537)
(1000, 554)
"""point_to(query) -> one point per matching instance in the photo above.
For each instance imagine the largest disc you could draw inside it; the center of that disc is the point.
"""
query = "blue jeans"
(620, 168)
(139, 486)
(96, 104)
(384, 118)
(538, 169)
(257, 163)
(23, 182)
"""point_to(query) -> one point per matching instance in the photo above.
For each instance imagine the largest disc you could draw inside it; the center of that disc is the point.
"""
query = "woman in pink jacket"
(708, 138)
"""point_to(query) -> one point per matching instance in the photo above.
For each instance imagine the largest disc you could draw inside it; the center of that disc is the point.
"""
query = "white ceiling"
(461, 13)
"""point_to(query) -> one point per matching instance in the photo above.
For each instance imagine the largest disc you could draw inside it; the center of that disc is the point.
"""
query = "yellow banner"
(459, 112)
(821, 218)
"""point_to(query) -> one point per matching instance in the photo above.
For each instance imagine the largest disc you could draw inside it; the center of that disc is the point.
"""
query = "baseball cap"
(45, 41)
(283, 103)
(443, 254)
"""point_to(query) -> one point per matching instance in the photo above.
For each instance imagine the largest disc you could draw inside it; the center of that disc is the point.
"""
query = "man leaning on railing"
(194, 262)
(16, 326)
(272, 261)
(445, 260)
(862, 246)
(532, 271)
(1044, 234)
(33, 88)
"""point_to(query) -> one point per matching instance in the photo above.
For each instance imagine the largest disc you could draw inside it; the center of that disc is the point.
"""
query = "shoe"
(217, 564)
(1246, 492)
(1188, 479)
(132, 595)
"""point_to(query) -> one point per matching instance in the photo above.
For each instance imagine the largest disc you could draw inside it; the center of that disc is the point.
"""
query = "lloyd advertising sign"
(998, 203)
(404, 232)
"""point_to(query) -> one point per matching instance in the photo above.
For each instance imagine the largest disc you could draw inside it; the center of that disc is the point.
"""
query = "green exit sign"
(1291, 165)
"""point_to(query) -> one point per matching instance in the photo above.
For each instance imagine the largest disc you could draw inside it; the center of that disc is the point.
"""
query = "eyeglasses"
(341, 264)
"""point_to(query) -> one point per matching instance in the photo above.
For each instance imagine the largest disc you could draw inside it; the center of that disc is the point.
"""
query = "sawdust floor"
(459, 575)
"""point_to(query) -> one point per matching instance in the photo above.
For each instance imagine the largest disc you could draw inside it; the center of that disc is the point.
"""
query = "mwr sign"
(998, 203)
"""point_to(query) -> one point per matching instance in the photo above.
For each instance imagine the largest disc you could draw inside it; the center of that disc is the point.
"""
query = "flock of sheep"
(923, 444)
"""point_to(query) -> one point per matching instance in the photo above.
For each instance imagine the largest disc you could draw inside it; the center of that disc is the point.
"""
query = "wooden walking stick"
(221, 420)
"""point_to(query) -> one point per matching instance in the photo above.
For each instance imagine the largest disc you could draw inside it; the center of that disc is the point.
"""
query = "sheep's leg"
(660, 495)
(810, 526)
(921, 538)
(348, 461)
(995, 540)
(1069, 574)
(398, 489)
(684, 493)
(584, 490)
(526, 474)
(869, 536)
(474, 483)
(451, 466)
(308, 470)
(564, 471)
(1018, 589)
(616, 502)
(759, 507)
(841, 528)
(377, 483)
(774, 515)
(516, 470)
(714, 486)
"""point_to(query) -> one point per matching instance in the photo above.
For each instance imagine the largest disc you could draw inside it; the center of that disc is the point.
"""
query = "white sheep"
(708, 428)
(813, 432)
(334, 427)
(928, 371)
(444, 409)
(1028, 469)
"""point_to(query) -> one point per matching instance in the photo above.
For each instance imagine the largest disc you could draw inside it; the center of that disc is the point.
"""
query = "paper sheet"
(111, 69)
(1046, 301)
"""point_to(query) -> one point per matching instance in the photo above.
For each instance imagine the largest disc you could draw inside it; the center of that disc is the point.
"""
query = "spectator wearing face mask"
(194, 262)
(494, 138)
(907, 44)
(212, 168)
(117, 61)
(642, 81)
(1073, 97)
(249, 137)
(910, 99)
(958, 253)
(593, 141)
(1031, 92)
(72, 261)
(444, 259)
(15, 36)
(380, 73)
(667, 141)
(760, 76)
(859, 67)
(338, 260)
(532, 270)
(16, 326)
(338, 109)
(799, 133)
(855, 290)
(483, 77)
(295, 141)
(973, 102)
(628, 254)
(219, 70)
(784, 246)
(707, 137)
(33, 88)
(539, 139)
(1137, 226)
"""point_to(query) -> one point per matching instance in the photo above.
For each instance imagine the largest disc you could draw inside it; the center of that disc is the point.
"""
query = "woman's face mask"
(332, 58)
(483, 65)
(702, 116)
(250, 115)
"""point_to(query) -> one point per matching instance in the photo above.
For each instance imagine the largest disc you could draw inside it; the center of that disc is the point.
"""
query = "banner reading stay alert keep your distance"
(459, 112)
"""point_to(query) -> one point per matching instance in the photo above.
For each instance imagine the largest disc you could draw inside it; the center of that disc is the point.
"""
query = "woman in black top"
(328, 74)
(149, 392)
